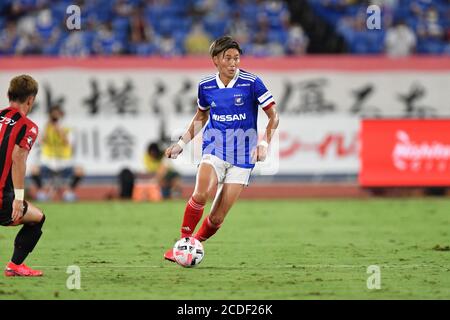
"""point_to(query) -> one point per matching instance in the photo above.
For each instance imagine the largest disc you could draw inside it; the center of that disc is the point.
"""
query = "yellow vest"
(151, 164)
(54, 146)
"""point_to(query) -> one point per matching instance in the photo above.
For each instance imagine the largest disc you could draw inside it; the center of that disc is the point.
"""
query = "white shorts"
(226, 172)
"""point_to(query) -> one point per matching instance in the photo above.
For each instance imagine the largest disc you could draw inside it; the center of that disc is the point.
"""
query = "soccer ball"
(188, 252)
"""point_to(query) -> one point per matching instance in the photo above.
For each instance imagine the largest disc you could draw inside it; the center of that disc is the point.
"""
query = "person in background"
(400, 40)
(197, 41)
(57, 159)
(159, 169)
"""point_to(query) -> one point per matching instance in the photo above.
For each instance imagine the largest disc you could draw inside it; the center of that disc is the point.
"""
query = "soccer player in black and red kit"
(17, 136)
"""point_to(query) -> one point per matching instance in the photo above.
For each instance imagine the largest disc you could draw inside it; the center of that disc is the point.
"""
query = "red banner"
(405, 153)
(351, 63)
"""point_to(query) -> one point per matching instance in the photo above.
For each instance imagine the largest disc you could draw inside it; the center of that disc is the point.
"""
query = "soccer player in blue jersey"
(230, 100)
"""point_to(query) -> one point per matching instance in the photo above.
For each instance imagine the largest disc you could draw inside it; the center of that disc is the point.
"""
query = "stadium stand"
(428, 22)
(178, 27)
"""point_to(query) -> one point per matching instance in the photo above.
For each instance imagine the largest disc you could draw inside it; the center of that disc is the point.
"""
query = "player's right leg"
(206, 180)
(26, 239)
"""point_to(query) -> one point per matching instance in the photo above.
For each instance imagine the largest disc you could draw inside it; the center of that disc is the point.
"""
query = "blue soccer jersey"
(231, 132)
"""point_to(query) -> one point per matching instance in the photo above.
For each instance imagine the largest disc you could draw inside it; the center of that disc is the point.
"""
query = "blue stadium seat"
(180, 37)
(430, 46)
(279, 36)
(121, 27)
(88, 37)
(143, 49)
(53, 49)
(215, 28)
(4, 4)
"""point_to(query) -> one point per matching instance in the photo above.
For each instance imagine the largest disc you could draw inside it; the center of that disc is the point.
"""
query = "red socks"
(192, 215)
(207, 230)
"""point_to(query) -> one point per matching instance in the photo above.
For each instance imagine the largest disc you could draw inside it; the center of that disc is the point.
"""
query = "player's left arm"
(260, 153)
(24, 142)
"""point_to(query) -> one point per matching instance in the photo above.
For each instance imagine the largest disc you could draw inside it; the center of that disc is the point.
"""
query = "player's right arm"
(19, 160)
(196, 125)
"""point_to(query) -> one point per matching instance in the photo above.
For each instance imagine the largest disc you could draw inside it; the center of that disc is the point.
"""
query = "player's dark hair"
(222, 44)
(21, 88)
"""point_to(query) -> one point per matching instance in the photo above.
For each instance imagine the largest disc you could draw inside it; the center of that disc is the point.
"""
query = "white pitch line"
(297, 266)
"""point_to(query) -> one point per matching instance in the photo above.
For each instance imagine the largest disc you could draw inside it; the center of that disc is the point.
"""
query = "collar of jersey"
(230, 84)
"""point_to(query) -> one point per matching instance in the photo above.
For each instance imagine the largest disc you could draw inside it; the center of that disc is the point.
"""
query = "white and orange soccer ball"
(188, 252)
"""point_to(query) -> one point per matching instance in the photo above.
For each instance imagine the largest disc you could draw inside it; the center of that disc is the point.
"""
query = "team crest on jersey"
(238, 100)
(30, 141)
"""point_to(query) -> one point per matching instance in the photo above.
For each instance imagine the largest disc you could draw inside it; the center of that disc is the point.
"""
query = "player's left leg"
(233, 183)
(26, 239)
(207, 178)
(225, 199)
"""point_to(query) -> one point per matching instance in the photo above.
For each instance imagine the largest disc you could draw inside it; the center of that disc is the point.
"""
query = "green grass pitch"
(302, 249)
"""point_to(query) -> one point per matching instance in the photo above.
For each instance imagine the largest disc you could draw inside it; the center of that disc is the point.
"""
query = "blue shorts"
(64, 173)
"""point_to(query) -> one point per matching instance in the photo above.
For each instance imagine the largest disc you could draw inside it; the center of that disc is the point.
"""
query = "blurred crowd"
(147, 27)
(408, 26)
(187, 27)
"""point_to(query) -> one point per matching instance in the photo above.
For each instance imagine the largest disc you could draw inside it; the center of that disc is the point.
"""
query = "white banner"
(302, 145)
(112, 93)
(116, 112)
(105, 146)
(319, 145)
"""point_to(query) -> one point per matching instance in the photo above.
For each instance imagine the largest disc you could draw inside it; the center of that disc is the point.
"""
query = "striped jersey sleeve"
(27, 135)
(263, 95)
(201, 102)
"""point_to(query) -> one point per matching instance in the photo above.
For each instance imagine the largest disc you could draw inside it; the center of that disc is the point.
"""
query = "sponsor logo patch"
(238, 101)
(229, 117)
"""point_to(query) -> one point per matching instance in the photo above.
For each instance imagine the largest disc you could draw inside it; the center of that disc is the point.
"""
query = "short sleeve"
(201, 102)
(27, 136)
(263, 95)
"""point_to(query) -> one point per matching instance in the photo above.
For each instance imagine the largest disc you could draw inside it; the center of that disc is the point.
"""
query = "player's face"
(228, 62)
